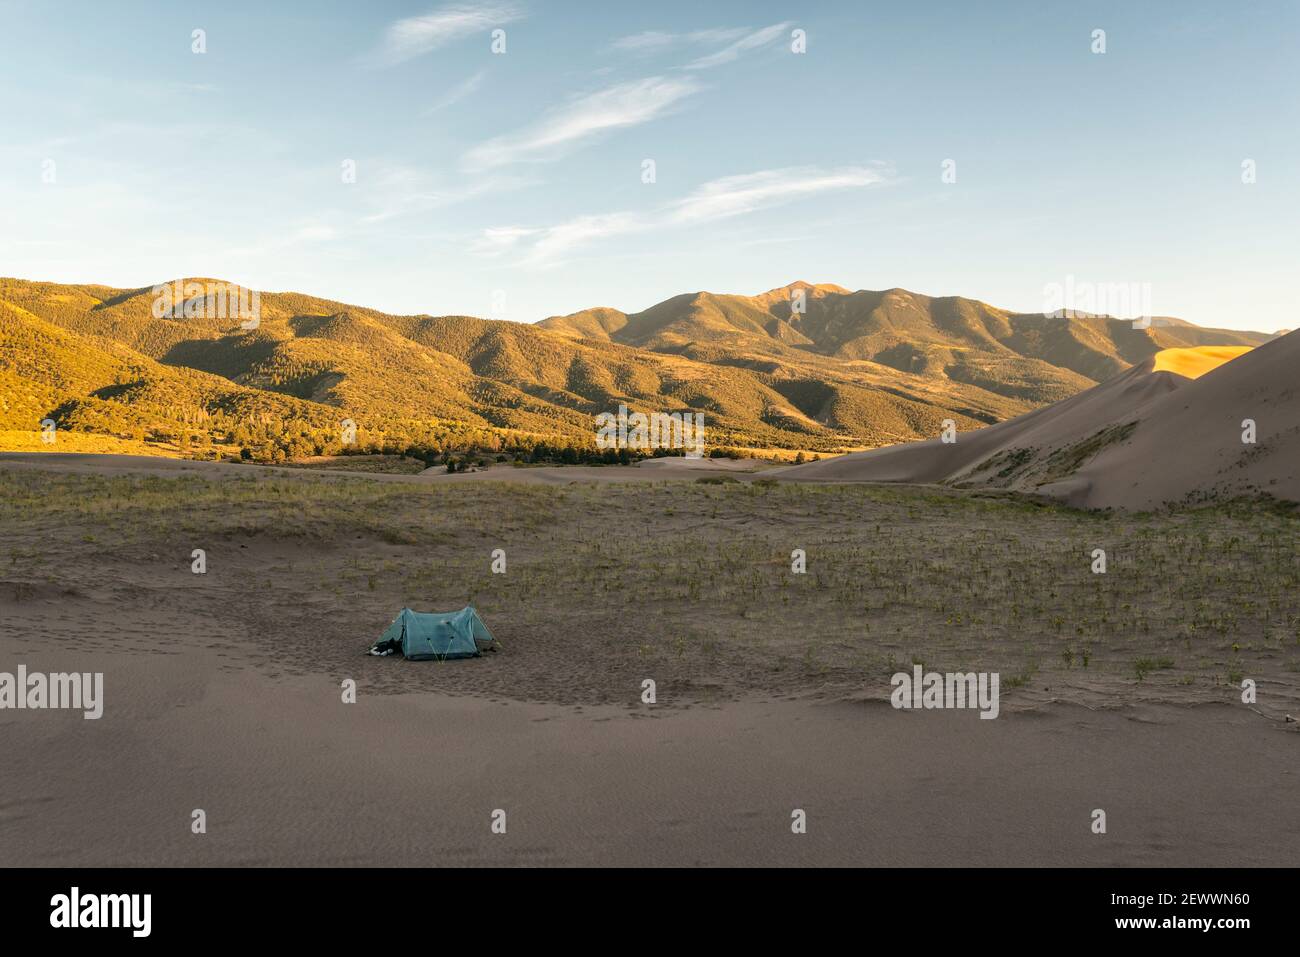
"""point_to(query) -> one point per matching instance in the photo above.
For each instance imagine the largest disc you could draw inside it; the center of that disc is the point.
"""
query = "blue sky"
(512, 183)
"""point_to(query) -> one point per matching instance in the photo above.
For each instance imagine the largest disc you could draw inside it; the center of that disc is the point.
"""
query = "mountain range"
(809, 367)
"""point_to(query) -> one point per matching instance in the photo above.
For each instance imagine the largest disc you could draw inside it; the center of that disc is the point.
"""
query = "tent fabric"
(420, 636)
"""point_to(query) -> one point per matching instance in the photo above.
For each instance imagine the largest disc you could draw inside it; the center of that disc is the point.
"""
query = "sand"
(289, 775)
(1189, 447)
(1194, 362)
(1051, 427)
(689, 583)
(1166, 432)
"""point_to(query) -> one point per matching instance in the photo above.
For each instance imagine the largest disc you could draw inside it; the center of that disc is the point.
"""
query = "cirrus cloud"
(416, 36)
(715, 200)
(751, 41)
(748, 192)
(457, 93)
(657, 41)
(581, 119)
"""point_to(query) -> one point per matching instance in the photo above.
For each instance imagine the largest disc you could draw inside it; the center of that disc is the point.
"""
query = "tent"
(420, 636)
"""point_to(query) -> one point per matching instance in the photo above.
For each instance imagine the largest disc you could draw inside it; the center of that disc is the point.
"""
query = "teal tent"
(420, 636)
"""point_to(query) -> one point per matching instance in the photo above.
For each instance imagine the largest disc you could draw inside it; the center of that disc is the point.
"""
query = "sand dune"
(931, 461)
(1195, 362)
(1169, 430)
(1190, 446)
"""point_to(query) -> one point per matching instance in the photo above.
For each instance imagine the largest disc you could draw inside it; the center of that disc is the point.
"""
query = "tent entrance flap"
(423, 635)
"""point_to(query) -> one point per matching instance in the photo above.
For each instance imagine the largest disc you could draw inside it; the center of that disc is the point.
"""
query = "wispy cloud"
(559, 239)
(500, 239)
(715, 200)
(737, 195)
(733, 51)
(658, 41)
(457, 93)
(585, 117)
(416, 36)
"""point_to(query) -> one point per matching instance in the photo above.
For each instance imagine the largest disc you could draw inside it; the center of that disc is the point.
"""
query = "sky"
(409, 157)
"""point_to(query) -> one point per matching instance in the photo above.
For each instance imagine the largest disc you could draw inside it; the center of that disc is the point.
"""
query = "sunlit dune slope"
(1195, 361)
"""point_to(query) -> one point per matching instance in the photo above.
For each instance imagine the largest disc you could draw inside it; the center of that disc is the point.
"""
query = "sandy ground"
(689, 584)
(288, 774)
(223, 690)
